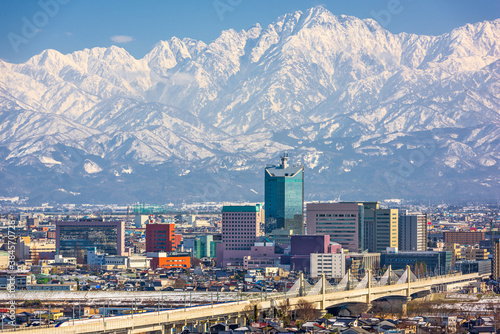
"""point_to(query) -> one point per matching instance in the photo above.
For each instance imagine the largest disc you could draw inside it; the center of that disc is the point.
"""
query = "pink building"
(241, 228)
(261, 255)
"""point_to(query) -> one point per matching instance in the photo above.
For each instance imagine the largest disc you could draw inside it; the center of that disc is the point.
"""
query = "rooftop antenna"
(284, 161)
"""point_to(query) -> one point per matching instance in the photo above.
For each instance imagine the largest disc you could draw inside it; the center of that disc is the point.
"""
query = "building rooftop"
(283, 170)
(278, 171)
(242, 208)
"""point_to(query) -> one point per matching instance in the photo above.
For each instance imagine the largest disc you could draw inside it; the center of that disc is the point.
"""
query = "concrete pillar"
(348, 287)
(179, 328)
(408, 293)
(390, 275)
(168, 329)
(164, 329)
(368, 295)
(302, 285)
(323, 291)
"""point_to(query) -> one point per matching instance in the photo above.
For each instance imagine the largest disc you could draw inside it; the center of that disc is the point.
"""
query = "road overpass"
(322, 295)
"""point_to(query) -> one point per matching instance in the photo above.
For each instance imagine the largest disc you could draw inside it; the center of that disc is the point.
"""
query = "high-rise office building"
(284, 197)
(341, 221)
(241, 228)
(380, 227)
(412, 231)
(160, 238)
(356, 226)
(75, 237)
(496, 260)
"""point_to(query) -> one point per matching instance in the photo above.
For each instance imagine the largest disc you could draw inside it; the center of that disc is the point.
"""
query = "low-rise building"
(482, 267)
(4, 260)
(438, 262)
(20, 280)
(463, 237)
(476, 254)
(360, 263)
(331, 265)
(169, 260)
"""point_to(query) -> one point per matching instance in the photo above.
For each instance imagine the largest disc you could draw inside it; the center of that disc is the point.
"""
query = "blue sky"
(28, 27)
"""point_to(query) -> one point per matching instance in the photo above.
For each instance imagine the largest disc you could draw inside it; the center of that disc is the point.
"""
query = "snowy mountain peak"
(354, 102)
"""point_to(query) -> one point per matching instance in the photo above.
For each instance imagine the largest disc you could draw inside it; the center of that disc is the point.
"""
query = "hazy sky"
(27, 27)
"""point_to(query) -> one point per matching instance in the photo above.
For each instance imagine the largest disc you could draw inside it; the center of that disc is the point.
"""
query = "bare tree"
(251, 312)
(305, 310)
(381, 309)
(179, 283)
(284, 307)
(195, 262)
(284, 311)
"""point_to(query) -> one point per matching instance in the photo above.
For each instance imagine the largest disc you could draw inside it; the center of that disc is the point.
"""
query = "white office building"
(412, 231)
(332, 265)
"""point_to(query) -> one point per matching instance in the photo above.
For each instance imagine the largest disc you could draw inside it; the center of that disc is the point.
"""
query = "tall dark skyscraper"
(284, 196)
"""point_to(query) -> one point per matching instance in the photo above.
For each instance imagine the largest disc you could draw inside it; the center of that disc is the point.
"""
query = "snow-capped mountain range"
(371, 115)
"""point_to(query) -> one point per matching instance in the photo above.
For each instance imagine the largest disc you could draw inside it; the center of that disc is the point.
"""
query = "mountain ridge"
(343, 96)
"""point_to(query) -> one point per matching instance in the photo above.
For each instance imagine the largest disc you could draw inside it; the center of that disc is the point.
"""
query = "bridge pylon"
(389, 270)
(348, 287)
(302, 289)
(408, 280)
(369, 285)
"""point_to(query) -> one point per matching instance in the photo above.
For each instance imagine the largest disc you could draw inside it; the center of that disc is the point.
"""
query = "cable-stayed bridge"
(322, 295)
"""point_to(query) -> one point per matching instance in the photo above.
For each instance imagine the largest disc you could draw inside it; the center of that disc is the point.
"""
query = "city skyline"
(293, 166)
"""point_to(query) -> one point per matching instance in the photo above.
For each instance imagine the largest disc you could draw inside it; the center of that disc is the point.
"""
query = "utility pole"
(495, 316)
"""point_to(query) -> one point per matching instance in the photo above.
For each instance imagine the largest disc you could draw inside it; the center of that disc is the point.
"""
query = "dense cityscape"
(86, 262)
(250, 167)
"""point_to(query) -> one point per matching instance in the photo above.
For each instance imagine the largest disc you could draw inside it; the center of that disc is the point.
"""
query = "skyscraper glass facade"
(284, 196)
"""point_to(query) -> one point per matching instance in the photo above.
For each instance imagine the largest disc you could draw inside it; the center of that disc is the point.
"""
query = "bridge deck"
(156, 321)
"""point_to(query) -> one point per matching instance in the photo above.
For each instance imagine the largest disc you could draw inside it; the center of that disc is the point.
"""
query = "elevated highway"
(321, 295)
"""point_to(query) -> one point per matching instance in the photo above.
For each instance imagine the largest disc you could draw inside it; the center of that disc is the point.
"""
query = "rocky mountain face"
(370, 114)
